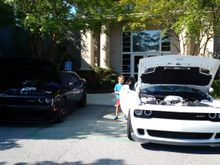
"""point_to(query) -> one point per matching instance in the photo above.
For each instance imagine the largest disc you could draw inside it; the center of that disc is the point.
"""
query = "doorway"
(135, 57)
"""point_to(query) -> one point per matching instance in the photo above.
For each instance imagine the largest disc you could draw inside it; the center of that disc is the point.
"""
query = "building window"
(126, 42)
(126, 62)
(142, 44)
(165, 42)
(146, 41)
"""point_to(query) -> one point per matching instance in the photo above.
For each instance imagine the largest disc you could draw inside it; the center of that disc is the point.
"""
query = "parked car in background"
(171, 102)
(74, 88)
(32, 89)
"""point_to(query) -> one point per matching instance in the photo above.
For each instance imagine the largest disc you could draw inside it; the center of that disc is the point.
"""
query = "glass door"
(135, 63)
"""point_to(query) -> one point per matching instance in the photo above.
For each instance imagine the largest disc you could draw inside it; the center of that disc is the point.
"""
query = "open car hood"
(194, 71)
(24, 73)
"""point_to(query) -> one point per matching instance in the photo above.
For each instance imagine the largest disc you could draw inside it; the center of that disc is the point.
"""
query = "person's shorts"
(117, 101)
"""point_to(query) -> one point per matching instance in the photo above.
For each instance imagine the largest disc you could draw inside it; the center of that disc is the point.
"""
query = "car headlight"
(138, 112)
(212, 115)
(48, 100)
(45, 100)
(41, 100)
(147, 113)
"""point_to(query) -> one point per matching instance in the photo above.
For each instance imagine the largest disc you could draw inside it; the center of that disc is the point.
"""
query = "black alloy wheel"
(62, 111)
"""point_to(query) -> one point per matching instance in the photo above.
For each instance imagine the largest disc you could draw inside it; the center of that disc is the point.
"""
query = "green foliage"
(48, 23)
(54, 20)
(216, 87)
(44, 17)
(200, 19)
(95, 13)
(99, 79)
(6, 14)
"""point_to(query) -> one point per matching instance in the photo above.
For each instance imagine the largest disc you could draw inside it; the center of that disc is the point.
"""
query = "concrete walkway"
(106, 99)
(101, 99)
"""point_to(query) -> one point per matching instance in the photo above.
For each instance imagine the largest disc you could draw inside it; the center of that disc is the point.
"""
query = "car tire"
(83, 100)
(62, 111)
(129, 128)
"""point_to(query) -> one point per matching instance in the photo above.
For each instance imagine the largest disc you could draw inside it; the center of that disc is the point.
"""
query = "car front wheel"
(62, 111)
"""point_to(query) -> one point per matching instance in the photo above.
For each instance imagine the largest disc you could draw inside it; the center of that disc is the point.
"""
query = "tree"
(46, 21)
(6, 14)
(96, 13)
(198, 19)
(53, 21)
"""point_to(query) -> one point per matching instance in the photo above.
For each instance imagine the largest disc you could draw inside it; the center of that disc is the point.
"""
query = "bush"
(99, 80)
(216, 87)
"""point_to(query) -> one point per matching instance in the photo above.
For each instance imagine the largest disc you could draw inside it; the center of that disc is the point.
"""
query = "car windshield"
(183, 91)
(66, 78)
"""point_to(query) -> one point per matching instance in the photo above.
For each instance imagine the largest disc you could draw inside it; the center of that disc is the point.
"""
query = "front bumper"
(27, 112)
(176, 132)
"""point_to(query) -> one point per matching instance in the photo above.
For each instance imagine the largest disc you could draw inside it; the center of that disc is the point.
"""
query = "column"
(104, 48)
(87, 50)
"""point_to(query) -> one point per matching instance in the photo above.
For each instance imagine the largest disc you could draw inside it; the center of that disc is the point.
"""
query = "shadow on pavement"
(182, 149)
(83, 123)
(98, 162)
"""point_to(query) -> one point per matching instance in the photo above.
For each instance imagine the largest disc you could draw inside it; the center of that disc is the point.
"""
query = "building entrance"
(137, 45)
(135, 62)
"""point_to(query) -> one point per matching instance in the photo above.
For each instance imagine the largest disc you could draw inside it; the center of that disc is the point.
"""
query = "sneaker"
(116, 117)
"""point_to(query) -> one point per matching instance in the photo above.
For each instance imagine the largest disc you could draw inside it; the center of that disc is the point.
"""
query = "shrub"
(216, 87)
(99, 80)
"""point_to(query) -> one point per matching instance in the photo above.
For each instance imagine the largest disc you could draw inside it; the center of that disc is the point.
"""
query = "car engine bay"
(173, 100)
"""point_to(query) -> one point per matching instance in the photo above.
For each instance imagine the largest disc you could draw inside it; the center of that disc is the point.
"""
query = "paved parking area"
(101, 99)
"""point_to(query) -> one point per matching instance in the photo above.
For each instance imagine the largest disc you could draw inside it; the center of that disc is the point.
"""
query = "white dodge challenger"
(171, 104)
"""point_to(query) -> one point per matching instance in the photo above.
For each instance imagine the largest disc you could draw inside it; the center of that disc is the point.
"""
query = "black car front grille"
(179, 135)
(18, 101)
(179, 116)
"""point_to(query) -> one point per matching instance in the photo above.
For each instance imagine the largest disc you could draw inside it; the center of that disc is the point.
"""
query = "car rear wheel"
(129, 128)
(62, 111)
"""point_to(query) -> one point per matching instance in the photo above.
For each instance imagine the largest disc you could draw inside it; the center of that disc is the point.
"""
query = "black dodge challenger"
(33, 89)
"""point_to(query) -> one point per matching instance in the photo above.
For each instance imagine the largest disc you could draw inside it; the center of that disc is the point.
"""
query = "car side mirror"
(211, 90)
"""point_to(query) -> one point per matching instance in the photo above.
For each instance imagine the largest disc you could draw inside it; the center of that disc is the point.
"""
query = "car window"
(69, 78)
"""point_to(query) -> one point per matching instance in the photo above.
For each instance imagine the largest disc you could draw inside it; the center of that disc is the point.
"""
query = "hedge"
(216, 87)
(99, 80)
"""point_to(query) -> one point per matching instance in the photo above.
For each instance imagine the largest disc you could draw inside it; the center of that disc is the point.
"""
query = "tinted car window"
(69, 78)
